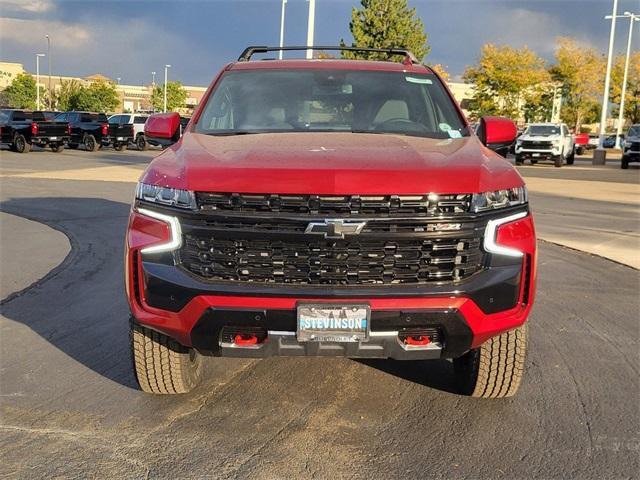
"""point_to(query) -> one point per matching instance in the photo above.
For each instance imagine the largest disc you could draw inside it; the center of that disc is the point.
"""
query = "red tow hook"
(420, 340)
(243, 340)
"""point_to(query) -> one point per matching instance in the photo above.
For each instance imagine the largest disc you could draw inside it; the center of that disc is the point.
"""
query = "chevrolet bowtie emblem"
(335, 229)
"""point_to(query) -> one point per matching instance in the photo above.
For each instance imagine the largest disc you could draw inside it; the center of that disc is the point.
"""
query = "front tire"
(120, 147)
(90, 143)
(495, 369)
(558, 161)
(21, 145)
(161, 364)
(572, 156)
(141, 143)
(57, 148)
(624, 163)
(519, 160)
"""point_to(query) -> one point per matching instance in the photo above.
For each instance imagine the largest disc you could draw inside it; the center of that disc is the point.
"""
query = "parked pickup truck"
(631, 146)
(330, 208)
(87, 129)
(119, 134)
(583, 143)
(20, 129)
(546, 141)
(158, 138)
(137, 120)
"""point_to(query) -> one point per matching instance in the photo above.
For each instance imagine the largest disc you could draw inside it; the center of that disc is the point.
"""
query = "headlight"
(498, 199)
(172, 197)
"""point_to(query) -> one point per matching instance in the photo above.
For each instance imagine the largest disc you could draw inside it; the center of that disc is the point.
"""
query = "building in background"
(133, 98)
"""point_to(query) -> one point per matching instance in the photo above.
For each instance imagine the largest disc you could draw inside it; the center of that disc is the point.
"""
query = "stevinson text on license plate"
(333, 323)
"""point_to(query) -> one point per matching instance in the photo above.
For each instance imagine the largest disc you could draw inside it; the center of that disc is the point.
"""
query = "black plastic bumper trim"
(493, 289)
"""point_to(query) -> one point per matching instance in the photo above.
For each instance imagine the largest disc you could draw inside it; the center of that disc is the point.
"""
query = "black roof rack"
(250, 51)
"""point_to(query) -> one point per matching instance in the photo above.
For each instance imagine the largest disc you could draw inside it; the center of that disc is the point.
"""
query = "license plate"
(333, 323)
(536, 154)
(120, 138)
(53, 138)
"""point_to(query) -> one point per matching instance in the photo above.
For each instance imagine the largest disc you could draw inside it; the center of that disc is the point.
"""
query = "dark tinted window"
(139, 119)
(544, 130)
(4, 116)
(20, 116)
(62, 117)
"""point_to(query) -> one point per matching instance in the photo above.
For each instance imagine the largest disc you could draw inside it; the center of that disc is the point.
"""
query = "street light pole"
(38, 55)
(49, 59)
(311, 26)
(284, 2)
(166, 68)
(153, 79)
(632, 18)
(600, 154)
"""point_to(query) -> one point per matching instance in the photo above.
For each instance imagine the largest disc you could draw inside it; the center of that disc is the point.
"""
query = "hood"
(541, 137)
(330, 164)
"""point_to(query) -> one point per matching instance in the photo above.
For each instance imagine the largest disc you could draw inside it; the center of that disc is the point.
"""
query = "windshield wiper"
(232, 132)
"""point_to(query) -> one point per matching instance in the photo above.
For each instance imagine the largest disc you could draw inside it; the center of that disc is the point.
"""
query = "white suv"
(546, 141)
(138, 120)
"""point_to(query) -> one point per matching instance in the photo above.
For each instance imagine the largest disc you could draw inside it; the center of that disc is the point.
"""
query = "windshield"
(544, 130)
(330, 101)
(634, 131)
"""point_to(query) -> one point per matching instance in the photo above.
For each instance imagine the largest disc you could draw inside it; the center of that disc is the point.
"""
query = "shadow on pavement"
(80, 306)
(436, 374)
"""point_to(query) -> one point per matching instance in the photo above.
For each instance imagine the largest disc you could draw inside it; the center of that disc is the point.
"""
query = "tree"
(67, 96)
(97, 97)
(386, 24)
(505, 78)
(632, 95)
(580, 70)
(176, 96)
(22, 92)
(441, 70)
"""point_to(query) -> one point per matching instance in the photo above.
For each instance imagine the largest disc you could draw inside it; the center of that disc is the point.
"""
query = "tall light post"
(38, 55)
(284, 3)
(600, 154)
(311, 26)
(49, 58)
(632, 19)
(153, 79)
(166, 69)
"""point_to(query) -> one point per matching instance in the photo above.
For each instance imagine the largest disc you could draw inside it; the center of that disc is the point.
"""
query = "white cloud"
(29, 32)
(31, 6)
(130, 49)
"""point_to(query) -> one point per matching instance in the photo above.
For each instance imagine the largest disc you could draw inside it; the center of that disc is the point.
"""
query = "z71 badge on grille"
(335, 228)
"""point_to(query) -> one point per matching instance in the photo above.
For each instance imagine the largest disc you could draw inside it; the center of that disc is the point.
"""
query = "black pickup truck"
(20, 129)
(119, 134)
(93, 131)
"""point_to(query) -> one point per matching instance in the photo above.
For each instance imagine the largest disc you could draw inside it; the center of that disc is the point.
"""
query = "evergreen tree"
(386, 24)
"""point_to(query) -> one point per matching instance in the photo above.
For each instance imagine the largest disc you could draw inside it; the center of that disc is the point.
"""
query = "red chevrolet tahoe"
(330, 207)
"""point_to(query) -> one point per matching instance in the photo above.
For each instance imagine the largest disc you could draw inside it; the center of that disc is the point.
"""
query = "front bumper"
(632, 155)
(461, 315)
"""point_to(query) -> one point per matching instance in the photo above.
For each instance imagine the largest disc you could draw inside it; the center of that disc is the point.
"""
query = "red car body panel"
(315, 163)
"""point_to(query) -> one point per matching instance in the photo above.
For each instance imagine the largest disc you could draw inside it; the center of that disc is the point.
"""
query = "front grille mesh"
(342, 205)
(325, 262)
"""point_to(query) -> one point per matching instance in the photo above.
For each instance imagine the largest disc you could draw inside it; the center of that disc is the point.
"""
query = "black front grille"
(341, 205)
(353, 261)
(536, 144)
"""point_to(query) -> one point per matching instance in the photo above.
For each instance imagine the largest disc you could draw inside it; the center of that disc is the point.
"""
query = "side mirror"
(497, 134)
(162, 129)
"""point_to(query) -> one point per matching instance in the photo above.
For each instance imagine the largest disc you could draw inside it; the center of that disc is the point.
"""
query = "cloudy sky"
(130, 39)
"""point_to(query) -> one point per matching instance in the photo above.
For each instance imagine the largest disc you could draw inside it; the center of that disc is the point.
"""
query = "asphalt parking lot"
(69, 405)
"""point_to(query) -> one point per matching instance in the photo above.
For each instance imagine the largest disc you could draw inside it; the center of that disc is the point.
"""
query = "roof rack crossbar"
(250, 51)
